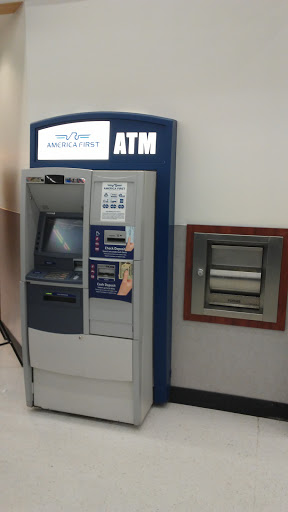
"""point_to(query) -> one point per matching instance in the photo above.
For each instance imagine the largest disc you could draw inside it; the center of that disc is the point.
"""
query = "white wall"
(14, 155)
(218, 67)
(14, 127)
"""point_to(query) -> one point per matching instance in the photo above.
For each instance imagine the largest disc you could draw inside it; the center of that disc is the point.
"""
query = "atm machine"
(87, 256)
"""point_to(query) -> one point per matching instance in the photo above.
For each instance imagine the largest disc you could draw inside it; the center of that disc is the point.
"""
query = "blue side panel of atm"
(164, 163)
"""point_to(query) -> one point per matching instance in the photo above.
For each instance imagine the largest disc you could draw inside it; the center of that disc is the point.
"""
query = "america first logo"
(73, 140)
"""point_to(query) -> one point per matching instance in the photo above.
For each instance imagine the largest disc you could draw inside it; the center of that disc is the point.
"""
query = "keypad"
(57, 275)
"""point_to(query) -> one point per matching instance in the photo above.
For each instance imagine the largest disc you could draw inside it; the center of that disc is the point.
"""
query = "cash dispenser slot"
(112, 237)
(50, 297)
(234, 277)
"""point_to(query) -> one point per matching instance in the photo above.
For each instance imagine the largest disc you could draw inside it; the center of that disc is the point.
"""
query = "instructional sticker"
(111, 280)
(75, 181)
(125, 266)
(130, 234)
(113, 201)
(112, 242)
(34, 179)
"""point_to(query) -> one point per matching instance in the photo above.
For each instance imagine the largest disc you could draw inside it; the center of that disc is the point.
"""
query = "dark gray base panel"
(55, 309)
(229, 403)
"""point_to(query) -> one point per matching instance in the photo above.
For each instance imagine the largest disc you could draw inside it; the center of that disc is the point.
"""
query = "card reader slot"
(78, 265)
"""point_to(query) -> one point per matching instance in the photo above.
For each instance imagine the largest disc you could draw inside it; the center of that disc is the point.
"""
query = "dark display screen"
(63, 236)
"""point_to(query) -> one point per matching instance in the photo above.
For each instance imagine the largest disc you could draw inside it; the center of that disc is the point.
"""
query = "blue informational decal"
(115, 242)
(111, 279)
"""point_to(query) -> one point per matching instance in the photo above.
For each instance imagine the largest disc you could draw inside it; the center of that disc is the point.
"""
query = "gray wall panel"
(226, 359)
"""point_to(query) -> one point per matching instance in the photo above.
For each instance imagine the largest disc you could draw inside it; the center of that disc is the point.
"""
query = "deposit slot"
(106, 271)
(112, 237)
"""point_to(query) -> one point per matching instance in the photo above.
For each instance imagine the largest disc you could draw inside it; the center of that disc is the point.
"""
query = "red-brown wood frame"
(229, 230)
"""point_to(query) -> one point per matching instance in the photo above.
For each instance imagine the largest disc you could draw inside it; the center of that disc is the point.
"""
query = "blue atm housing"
(163, 162)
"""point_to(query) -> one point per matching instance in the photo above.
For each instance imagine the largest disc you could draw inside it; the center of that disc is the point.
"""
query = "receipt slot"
(87, 246)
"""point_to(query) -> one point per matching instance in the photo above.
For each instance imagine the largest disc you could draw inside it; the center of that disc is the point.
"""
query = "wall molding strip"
(10, 7)
(229, 403)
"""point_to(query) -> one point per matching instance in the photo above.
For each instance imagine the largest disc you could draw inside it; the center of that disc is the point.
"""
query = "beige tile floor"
(182, 459)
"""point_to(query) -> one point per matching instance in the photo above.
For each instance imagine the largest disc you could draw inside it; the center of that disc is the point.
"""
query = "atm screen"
(63, 235)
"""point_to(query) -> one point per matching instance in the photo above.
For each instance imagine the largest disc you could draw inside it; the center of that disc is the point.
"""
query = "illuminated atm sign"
(142, 143)
(90, 140)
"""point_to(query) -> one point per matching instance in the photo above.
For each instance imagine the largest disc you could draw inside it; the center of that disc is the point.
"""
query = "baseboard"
(206, 399)
(230, 403)
(13, 342)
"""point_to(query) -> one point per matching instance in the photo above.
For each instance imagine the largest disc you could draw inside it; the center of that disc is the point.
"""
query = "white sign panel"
(86, 140)
(113, 201)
